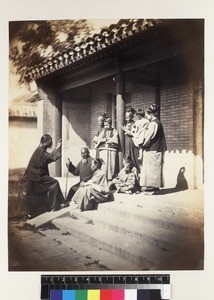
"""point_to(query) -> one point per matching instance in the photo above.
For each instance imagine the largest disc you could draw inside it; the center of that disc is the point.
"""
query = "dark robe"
(43, 192)
(130, 148)
(83, 170)
(151, 176)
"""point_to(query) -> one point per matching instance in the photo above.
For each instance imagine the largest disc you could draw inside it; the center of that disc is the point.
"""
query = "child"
(126, 181)
(140, 128)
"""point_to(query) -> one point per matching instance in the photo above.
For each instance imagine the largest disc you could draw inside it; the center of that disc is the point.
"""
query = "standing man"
(83, 170)
(108, 142)
(39, 180)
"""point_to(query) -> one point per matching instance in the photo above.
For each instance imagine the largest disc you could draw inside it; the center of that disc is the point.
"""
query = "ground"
(161, 232)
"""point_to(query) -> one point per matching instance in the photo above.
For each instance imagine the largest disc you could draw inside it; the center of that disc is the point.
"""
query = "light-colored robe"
(94, 192)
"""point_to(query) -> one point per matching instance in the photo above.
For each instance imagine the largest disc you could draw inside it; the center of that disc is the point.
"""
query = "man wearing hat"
(108, 143)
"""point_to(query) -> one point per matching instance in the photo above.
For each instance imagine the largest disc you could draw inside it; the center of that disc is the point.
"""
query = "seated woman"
(127, 181)
(95, 190)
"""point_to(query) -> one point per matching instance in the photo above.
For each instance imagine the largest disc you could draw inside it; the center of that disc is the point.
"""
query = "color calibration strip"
(105, 287)
(105, 294)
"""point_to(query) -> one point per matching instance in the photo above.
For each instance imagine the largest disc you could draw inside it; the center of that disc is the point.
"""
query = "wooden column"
(157, 91)
(120, 110)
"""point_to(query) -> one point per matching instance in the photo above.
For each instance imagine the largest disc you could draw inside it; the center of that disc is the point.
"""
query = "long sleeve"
(150, 133)
(113, 139)
(71, 168)
(47, 158)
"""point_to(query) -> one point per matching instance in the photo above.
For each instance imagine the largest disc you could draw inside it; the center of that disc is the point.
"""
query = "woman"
(108, 142)
(101, 120)
(129, 128)
(94, 191)
(154, 147)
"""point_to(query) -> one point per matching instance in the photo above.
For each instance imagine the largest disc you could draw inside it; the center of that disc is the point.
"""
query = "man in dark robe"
(43, 191)
(83, 170)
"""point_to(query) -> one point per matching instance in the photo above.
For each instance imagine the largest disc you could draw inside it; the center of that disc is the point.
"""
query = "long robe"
(83, 170)
(108, 151)
(43, 192)
(153, 154)
(130, 148)
(96, 141)
(96, 191)
(126, 181)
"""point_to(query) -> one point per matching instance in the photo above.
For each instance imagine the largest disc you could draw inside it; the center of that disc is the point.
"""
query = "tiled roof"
(116, 36)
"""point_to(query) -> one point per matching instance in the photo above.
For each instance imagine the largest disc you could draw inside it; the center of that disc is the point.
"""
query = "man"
(83, 170)
(39, 181)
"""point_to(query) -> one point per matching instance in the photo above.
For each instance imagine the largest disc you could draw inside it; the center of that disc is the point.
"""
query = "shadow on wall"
(181, 184)
(77, 112)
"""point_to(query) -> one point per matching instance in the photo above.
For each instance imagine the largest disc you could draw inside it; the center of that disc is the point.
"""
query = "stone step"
(165, 239)
(137, 251)
(153, 211)
(73, 253)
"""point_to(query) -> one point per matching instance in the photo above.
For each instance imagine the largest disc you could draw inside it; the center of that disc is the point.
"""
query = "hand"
(68, 163)
(59, 144)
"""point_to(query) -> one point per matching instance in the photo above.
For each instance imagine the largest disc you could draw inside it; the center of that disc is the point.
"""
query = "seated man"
(83, 170)
(126, 181)
(39, 182)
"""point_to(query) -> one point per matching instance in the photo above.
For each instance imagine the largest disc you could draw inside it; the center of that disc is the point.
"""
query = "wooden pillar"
(157, 91)
(120, 110)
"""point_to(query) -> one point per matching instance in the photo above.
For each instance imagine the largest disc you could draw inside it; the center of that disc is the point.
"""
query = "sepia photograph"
(106, 145)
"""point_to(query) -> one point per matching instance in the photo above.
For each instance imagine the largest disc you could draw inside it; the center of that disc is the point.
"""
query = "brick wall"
(177, 110)
(52, 121)
(101, 101)
(142, 96)
(178, 120)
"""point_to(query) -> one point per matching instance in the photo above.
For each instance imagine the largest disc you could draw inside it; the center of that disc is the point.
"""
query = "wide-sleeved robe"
(153, 154)
(41, 184)
(94, 192)
(126, 181)
(83, 170)
(108, 142)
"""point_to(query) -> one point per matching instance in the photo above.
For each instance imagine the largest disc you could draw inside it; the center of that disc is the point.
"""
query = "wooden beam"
(94, 76)
(163, 53)
(138, 80)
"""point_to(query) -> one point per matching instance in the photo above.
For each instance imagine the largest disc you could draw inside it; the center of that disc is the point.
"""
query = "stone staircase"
(138, 232)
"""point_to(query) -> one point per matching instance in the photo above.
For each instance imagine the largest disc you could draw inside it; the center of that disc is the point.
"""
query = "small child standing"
(141, 125)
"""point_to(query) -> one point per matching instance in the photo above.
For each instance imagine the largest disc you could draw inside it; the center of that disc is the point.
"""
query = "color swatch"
(120, 294)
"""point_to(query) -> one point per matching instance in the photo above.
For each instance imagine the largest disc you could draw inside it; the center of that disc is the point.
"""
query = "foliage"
(32, 42)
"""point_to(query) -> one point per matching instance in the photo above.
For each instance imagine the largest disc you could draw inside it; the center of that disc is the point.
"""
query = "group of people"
(142, 163)
(145, 145)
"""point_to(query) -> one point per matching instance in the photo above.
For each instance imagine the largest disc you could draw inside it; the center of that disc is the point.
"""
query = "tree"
(32, 42)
